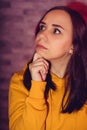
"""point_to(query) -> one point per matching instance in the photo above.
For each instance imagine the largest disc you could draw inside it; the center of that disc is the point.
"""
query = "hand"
(38, 68)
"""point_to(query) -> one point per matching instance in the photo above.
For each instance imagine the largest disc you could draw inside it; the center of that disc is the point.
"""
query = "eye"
(42, 27)
(57, 31)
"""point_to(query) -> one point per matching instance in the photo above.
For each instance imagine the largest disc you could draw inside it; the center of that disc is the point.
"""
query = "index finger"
(36, 56)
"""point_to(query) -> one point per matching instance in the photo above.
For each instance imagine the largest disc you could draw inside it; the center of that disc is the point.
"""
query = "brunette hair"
(76, 83)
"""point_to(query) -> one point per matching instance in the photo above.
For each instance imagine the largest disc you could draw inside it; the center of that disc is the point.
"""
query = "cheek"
(58, 50)
(64, 44)
(35, 41)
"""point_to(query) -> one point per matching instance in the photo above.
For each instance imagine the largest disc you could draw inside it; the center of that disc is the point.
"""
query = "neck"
(59, 66)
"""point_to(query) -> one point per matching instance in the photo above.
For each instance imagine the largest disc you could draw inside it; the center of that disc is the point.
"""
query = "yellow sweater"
(28, 110)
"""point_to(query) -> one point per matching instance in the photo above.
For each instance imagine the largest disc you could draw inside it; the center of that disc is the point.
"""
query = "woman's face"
(54, 39)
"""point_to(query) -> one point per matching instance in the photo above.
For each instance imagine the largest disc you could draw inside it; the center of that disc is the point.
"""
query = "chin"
(42, 54)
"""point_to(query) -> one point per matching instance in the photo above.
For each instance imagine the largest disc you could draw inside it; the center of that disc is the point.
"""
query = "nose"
(43, 35)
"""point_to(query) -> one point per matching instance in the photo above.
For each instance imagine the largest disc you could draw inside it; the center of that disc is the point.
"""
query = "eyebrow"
(55, 25)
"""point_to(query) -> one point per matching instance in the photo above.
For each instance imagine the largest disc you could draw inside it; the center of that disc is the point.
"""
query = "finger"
(41, 66)
(41, 61)
(43, 75)
(36, 56)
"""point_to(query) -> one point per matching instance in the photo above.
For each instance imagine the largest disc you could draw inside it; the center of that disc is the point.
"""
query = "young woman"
(50, 93)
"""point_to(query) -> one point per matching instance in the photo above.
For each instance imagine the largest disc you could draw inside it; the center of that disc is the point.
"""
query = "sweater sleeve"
(27, 109)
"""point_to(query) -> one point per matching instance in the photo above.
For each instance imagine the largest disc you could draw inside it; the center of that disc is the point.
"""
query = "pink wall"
(18, 19)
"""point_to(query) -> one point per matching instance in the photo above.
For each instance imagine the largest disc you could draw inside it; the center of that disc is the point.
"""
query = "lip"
(40, 47)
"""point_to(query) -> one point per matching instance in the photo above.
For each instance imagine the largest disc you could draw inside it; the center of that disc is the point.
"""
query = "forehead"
(58, 17)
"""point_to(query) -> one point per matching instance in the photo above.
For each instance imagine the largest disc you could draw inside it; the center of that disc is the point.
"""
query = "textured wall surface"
(18, 19)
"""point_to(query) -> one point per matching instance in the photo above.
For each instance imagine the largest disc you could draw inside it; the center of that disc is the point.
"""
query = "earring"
(71, 51)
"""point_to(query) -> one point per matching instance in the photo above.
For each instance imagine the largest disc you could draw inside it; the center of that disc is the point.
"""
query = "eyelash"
(42, 28)
(58, 31)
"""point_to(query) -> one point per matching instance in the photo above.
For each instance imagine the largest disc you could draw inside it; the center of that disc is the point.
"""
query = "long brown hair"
(77, 83)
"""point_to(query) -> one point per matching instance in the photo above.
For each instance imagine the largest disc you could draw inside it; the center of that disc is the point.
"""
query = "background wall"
(18, 19)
